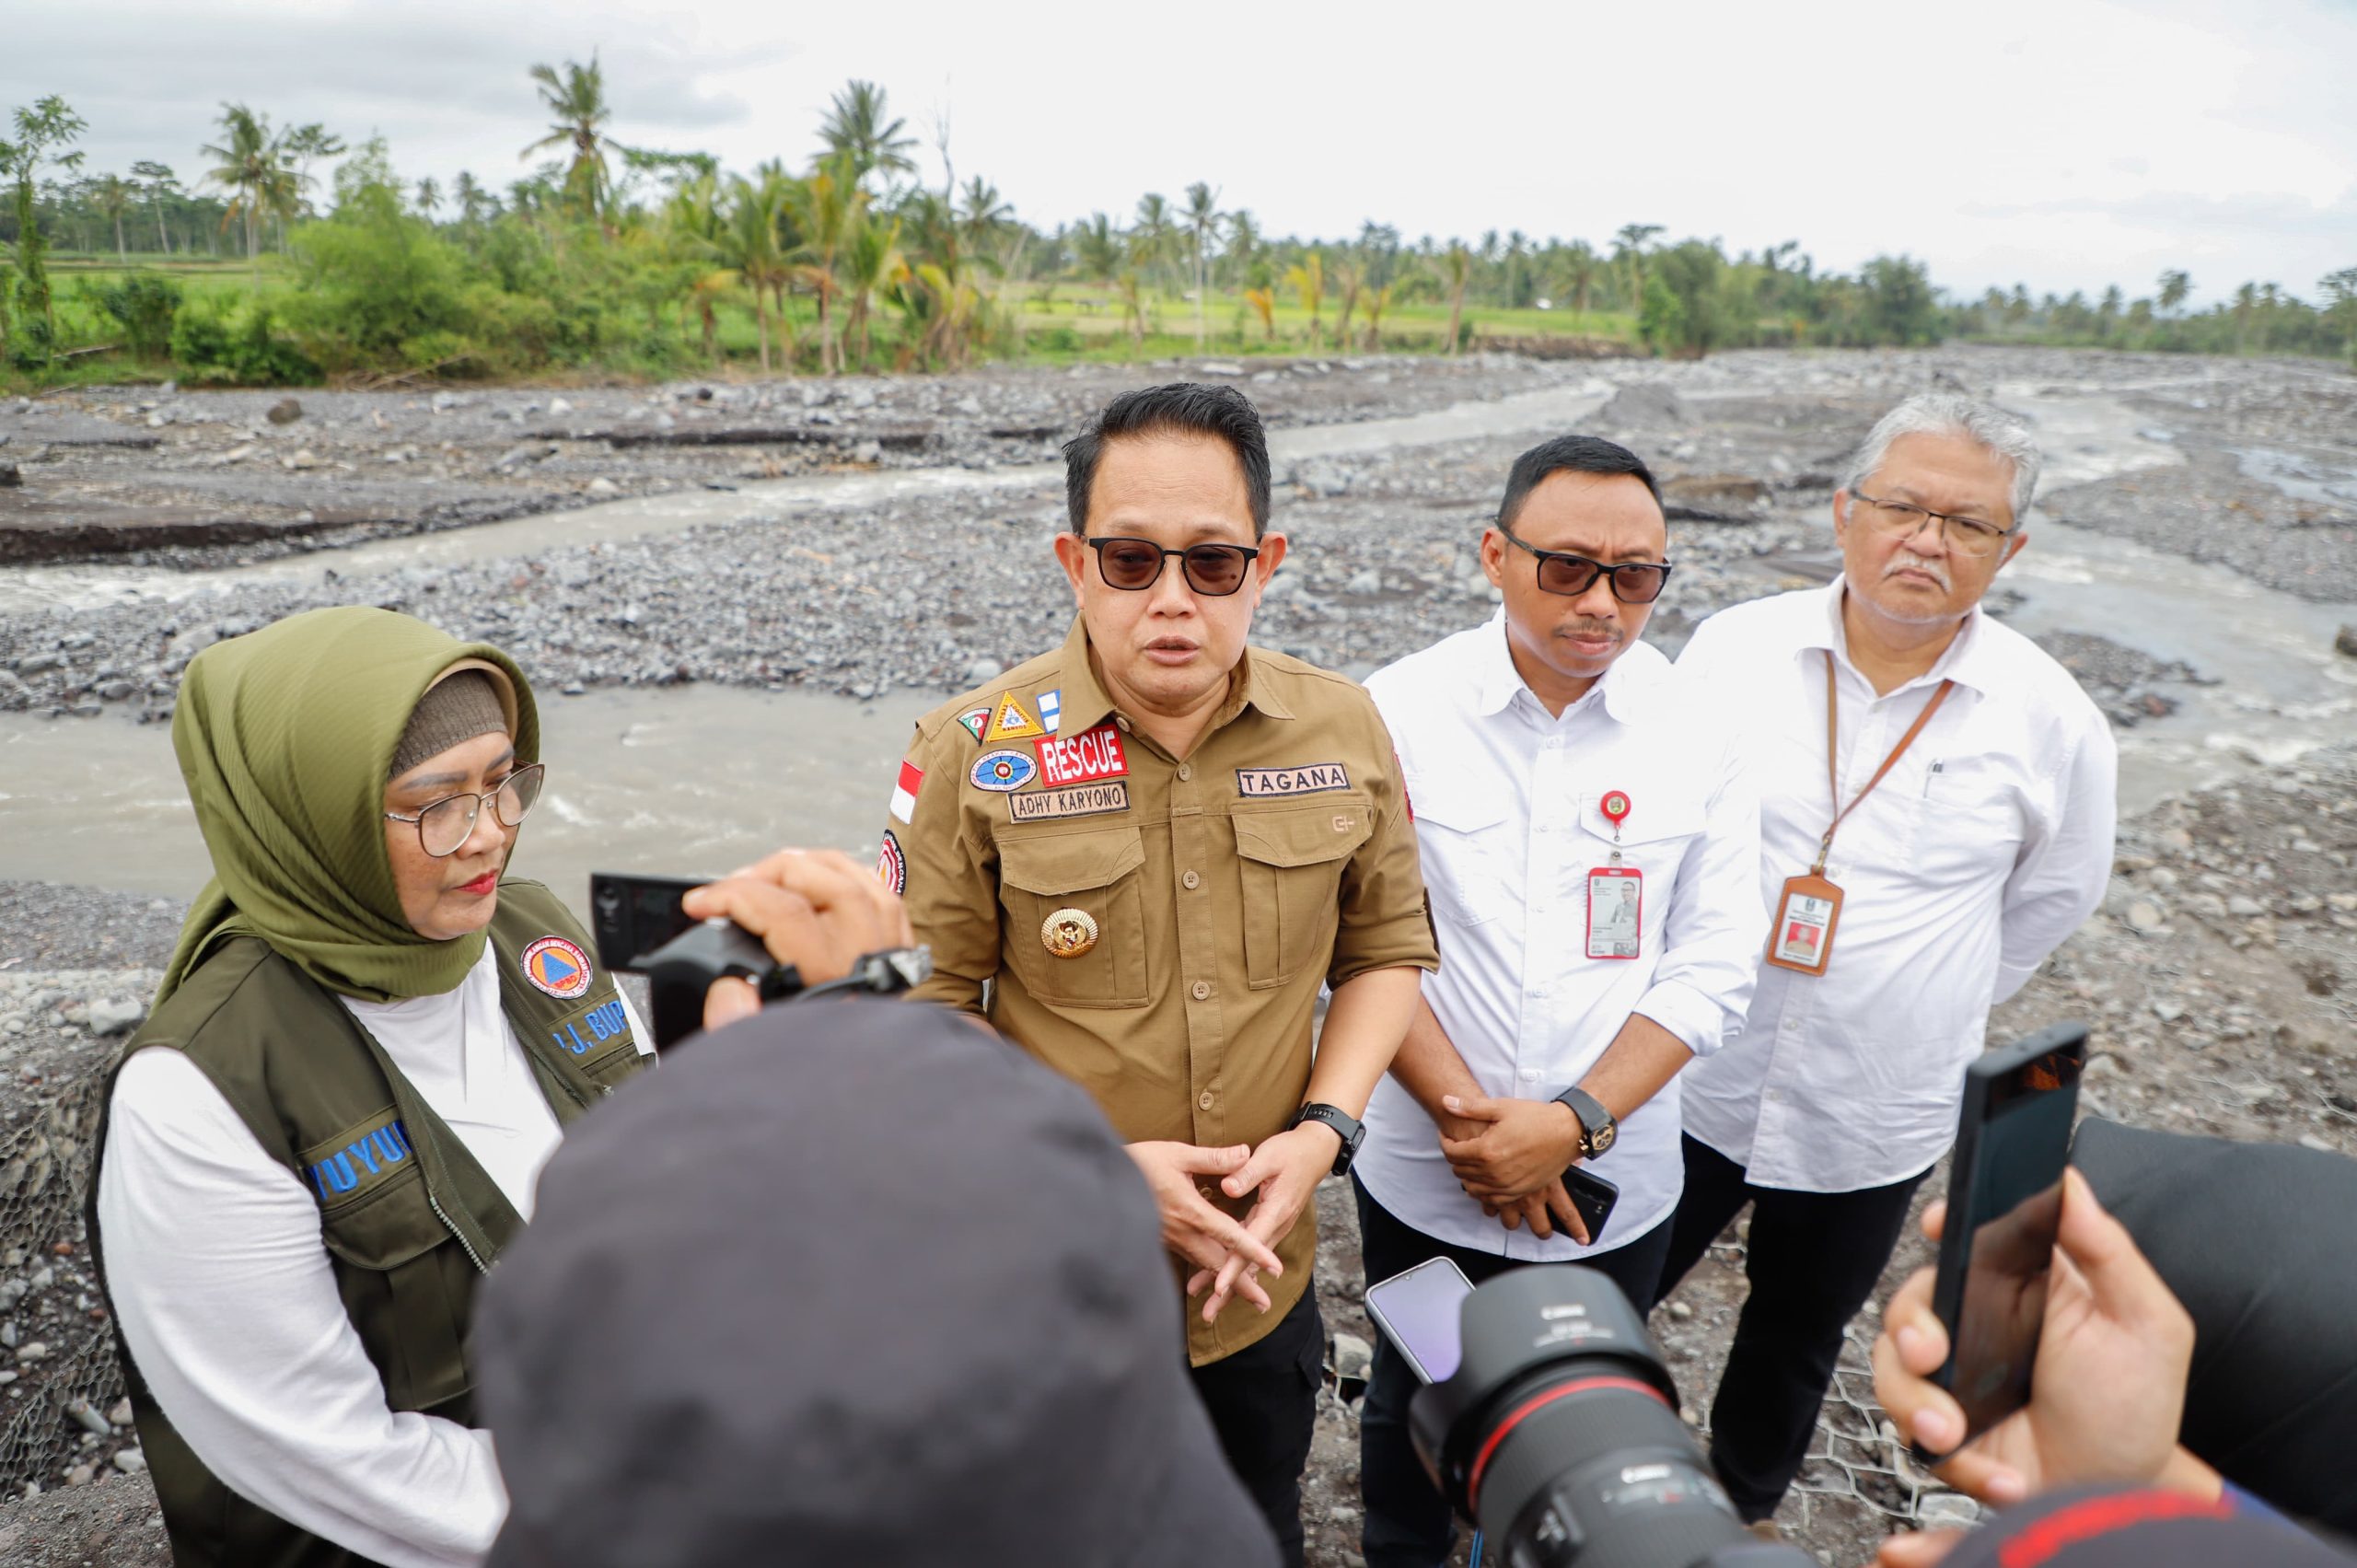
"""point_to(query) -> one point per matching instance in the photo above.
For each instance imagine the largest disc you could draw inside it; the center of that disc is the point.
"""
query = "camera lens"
(1559, 1433)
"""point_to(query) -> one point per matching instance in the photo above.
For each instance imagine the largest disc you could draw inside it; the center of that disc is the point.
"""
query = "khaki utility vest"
(410, 1219)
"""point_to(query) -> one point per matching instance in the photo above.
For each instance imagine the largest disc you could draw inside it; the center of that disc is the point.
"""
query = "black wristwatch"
(1599, 1132)
(886, 972)
(1346, 1126)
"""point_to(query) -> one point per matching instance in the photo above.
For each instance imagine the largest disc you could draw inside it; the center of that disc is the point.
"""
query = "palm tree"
(1264, 304)
(857, 125)
(1582, 269)
(871, 259)
(2175, 285)
(1243, 244)
(1132, 310)
(1309, 280)
(749, 245)
(1203, 219)
(1378, 300)
(1151, 235)
(1350, 278)
(473, 199)
(429, 197)
(253, 169)
(1098, 248)
(113, 196)
(1459, 266)
(1631, 252)
(576, 102)
(982, 213)
(828, 204)
(159, 180)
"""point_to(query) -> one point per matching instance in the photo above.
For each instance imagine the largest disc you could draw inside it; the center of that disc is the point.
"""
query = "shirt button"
(1191, 881)
(1185, 772)
(1205, 1103)
(1530, 1074)
(1201, 990)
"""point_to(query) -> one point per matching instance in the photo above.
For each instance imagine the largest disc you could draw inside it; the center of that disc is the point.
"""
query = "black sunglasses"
(1634, 581)
(1136, 565)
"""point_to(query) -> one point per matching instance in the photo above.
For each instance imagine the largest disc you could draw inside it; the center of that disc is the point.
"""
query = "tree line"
(614, 257)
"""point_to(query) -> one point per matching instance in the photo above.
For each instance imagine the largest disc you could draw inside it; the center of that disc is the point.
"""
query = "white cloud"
(2069, 144)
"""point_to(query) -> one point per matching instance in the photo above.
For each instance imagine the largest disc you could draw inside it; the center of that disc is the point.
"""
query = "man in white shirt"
(1973, 782)
(1590, 846)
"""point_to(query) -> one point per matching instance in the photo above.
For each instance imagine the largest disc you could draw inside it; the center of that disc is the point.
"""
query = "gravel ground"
(2218, 975)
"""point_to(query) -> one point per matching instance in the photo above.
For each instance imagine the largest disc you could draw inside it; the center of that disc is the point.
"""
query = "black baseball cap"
(851, 1281)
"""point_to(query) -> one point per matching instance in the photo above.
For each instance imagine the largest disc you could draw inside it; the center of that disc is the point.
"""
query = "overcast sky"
(2067, 144)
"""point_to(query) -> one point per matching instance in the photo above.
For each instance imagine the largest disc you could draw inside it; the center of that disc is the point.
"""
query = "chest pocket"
(1291, 860)
(405, 1281)
(1970, 822)
(1653, 836)
(1471, 871)
(1097, 873)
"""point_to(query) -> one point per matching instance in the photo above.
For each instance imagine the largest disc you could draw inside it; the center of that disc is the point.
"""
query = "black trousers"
(1263, 1404)
(1814, 1259)
(1407, 1523)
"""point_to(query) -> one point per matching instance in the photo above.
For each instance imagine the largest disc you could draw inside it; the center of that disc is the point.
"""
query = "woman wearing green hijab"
(364, 1047)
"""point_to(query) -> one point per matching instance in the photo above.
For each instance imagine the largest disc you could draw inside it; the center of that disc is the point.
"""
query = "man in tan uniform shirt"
(1142, 855)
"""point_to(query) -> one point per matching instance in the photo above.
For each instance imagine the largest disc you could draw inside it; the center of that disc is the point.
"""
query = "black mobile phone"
(1592, 1197)
(630, 915)
(2004, 1211)
(1417, 1310)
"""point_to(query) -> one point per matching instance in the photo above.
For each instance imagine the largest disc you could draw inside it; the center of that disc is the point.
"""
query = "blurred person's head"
(1574, 505)
(1972, 464)
(849, 1282)
(357, 775)
(1184, 468)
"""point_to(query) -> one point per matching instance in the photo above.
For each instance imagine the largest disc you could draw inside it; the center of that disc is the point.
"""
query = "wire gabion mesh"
(64, 1417)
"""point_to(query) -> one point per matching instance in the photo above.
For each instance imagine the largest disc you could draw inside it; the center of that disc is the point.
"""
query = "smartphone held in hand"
(2004, 1210)
(1417, 1310)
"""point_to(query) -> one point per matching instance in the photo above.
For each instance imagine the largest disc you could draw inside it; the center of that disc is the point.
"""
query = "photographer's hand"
(2107, 1392)
(818, 909)
(1191, 1226)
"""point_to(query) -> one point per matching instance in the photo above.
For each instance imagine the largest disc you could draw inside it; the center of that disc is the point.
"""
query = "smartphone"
(1592, 1197)
(631, 916)
(1417, 1311)
(2004, 1211)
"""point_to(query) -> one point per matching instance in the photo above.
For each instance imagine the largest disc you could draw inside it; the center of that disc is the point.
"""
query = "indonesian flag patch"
(904, 794)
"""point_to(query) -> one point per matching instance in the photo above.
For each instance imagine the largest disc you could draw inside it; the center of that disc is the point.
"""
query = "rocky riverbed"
(2218, 975)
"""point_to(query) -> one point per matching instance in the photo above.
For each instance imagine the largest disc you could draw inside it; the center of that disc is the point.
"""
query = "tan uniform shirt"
(1223, 891)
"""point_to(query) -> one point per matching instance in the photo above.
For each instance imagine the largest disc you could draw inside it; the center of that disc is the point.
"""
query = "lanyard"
(1833, 751)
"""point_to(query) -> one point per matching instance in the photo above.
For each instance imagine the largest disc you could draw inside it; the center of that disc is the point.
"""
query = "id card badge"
(1802, 937)
(1616, 912)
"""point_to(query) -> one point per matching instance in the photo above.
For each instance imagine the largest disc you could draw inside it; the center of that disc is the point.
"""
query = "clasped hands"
(1230, 1255)
(1510, 1155)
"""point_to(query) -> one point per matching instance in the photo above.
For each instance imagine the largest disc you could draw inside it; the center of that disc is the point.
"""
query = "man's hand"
(1195, 1229)
(2107, 1392)
(1286, 1170)
(1537, 1209)
(1522, 1144)
(815, 909)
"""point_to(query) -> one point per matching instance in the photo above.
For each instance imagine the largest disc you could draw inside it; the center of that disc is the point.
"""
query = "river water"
(699, 779)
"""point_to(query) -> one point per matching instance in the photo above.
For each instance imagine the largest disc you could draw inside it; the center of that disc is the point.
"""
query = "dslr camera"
(1557, 1435)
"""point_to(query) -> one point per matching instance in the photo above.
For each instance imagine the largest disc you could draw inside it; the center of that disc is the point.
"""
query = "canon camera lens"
(1558, 1435)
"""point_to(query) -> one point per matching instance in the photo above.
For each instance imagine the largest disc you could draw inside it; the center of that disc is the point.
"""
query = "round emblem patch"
(892, 866)
(1002, 771)
(1068, 933)
(557, 967)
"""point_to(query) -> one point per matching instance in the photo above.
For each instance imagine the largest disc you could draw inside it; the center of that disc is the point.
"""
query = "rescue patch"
(1009, 722)
(975, 720)
(371, 1155)
(1051, 709)
(1081, 800)
(1005, 771)
(1313, 779)
(1086, 758)
(555, 966)
(891, 865)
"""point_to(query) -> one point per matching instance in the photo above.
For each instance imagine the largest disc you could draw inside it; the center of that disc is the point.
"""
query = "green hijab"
(284, 737)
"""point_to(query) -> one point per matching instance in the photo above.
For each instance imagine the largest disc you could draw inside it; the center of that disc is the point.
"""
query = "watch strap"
(1346, 1127)
(1597, 1126)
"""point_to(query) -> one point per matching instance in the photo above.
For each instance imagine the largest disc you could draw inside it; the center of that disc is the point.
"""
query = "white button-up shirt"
(1984, 847)
(1508, 800)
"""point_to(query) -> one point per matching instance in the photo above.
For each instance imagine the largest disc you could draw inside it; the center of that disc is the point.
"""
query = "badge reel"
(1616, 894)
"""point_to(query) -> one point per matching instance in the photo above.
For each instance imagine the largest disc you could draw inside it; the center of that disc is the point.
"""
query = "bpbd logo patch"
(558, 968)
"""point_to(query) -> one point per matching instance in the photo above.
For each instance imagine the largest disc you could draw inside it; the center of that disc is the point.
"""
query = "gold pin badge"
(1068, 933)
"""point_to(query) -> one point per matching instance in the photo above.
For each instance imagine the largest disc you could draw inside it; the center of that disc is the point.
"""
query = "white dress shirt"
(1985, 846)
(225, 1296)
(1509, 823)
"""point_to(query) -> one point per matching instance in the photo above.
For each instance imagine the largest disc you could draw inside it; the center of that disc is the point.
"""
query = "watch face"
(1604, 1137)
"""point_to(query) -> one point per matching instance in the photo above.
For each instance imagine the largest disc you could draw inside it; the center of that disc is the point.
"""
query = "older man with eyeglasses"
(1936, 813)
(1144, 854)
(1591, 845)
